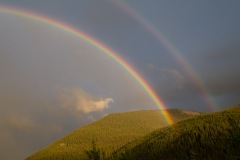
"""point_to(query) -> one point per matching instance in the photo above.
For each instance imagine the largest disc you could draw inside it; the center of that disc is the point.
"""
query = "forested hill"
(208, 136)
(110, 132)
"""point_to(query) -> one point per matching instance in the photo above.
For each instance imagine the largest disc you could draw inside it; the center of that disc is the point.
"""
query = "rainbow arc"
(94, 42)
(175, 53)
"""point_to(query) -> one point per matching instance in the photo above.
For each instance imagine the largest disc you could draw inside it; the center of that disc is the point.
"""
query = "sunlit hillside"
(208, 136)
(111, 132)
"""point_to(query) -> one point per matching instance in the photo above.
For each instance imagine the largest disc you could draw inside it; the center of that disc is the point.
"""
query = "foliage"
(209, 136)
(112, 132)
(94, 152)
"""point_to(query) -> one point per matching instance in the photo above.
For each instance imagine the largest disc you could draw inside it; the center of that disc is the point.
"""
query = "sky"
(53, 82)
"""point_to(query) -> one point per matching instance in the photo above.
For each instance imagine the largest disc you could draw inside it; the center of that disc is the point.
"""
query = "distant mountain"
(208, 136)
(111, 132)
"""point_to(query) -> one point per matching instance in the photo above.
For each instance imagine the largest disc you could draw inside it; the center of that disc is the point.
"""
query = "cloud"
(17, 131)
(169, 79)
(174, 78)
(226, 52)
(77, 100)
(26, 124)
(107, 15)
(23, 123)
(170, 75)
(151, 66)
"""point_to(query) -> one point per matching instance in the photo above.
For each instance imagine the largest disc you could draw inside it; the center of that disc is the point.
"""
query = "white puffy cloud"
(77, 100)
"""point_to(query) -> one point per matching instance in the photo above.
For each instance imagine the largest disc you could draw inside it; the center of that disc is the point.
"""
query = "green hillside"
(208, 136)
(111, 133)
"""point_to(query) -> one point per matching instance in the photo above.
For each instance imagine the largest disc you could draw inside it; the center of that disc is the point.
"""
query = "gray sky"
(52, 82)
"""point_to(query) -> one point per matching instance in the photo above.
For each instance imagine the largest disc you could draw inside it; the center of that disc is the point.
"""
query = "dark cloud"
(223, 53)
(226, 83)
(223, 89)
(177, 90)
(218, 71)
(219, 59)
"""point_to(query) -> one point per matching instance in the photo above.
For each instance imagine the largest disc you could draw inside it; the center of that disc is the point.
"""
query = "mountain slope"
(208, 136)
(111, 132)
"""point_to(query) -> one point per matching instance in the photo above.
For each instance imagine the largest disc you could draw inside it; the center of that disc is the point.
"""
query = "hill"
(112, 132)
(208, 136)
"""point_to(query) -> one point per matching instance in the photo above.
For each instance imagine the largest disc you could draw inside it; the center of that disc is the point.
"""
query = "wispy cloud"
(26, 124)
(175, 77)
(170, 79)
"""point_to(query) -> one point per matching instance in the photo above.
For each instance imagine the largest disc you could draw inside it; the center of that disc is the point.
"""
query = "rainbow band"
(171, 50)
(97, 44)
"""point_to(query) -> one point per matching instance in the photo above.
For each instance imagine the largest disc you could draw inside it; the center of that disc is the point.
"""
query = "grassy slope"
(112, 132)
(209, 136)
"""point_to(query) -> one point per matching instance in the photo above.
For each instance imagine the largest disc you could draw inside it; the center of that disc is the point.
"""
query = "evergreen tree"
(94, 152)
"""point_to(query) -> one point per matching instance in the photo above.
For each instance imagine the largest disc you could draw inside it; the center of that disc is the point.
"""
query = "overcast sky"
(53, 82)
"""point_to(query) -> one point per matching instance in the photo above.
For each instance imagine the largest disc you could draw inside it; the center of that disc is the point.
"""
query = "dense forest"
(109, 133)
(145, 135)
(208, 136)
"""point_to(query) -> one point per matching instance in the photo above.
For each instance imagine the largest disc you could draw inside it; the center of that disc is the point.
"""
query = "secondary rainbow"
(99, 45)
(171, 49)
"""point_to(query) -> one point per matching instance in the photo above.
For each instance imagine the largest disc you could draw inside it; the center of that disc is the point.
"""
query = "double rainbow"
(109, 52)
